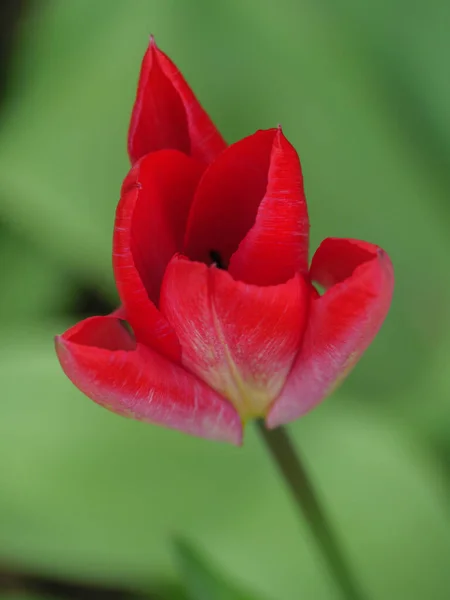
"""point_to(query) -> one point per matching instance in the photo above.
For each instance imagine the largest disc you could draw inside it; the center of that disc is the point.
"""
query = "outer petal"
(149, 227)
(239, 338)
(341, 324)
(101, 358)
(119, 313)
(227, 199)
(276, 247)
(166, 113)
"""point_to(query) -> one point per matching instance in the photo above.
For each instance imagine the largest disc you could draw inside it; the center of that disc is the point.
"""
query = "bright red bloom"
(211, 263)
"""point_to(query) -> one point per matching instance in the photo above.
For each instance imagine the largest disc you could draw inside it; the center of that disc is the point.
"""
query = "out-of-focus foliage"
(202, 580)
(362, 91)
(19, 596)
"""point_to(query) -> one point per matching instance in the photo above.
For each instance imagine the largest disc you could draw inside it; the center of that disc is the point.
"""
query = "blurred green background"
(363, 92)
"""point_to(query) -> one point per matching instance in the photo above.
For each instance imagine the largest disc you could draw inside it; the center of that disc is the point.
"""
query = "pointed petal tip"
(153, 48)
(281, 143)
(63, 351)
(167, 114)
(58, 342)
(278, 139)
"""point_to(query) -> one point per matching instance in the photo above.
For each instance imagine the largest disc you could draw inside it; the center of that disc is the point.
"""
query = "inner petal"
(152, 213)
(149, 229)
(276, 247)
(227, 198)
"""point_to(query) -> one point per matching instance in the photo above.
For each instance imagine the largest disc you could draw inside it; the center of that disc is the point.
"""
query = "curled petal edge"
(342, 323)
(102, 359)
(149, 226)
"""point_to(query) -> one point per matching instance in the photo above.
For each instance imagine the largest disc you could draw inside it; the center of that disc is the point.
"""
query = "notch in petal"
(342, 323)
(166, 113)
(102, 360)
(241, 339)
(149, 229)
(276, 247)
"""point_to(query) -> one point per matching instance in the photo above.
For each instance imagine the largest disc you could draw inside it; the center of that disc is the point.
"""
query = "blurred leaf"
(32, 283)
(409, 47)
(22, 596)
(202, 581)
(87, 493)
(429, 401)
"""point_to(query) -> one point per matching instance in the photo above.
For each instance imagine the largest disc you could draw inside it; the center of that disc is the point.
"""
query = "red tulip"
(211, 264)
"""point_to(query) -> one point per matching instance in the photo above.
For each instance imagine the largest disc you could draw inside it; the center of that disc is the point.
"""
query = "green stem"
(291, 467)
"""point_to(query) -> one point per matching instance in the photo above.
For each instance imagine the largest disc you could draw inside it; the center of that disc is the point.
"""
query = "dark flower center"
(217, 259)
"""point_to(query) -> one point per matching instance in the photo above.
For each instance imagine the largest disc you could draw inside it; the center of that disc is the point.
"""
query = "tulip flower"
(221, 321)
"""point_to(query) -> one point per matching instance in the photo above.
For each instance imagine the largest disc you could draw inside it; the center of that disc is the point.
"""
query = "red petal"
(119, 313)
(101, 358)
(239, 338)
(341, 325)
(166, 113)
(149, 227)
(276, 247)
(227, 198)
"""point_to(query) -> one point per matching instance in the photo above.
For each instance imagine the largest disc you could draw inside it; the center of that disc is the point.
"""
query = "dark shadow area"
(18, 582)
(88, 301)
(11, 13)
